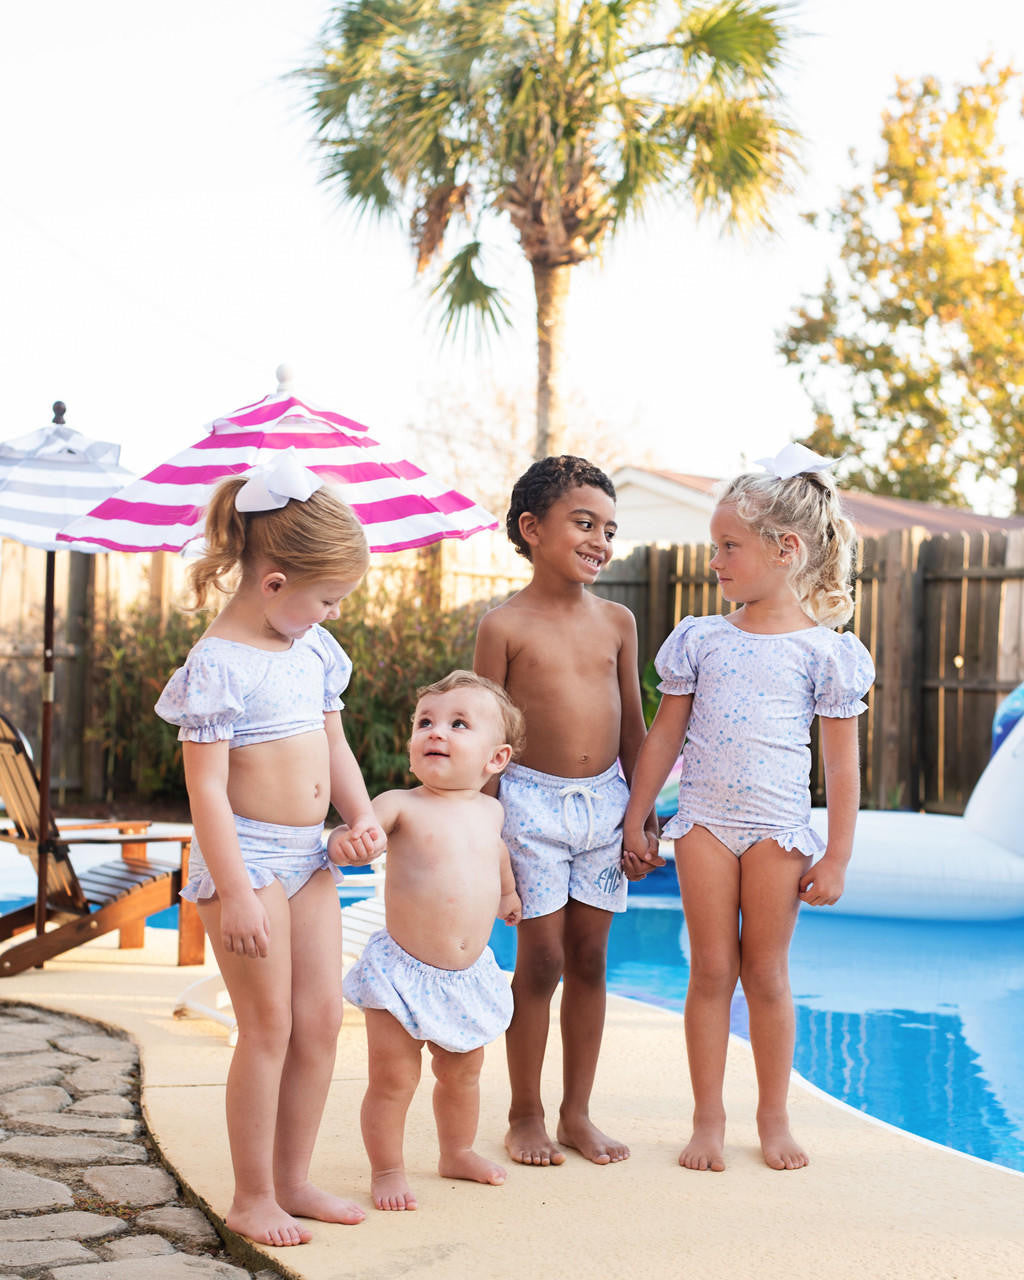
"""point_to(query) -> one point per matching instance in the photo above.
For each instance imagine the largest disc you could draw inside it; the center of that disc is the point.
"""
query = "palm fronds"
(565, 115)
(463, 294)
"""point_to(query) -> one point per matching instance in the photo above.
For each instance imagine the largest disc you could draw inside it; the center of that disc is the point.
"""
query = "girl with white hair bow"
(740, 693)
(258, 705)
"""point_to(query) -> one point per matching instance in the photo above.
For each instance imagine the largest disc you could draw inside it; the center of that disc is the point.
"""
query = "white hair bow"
(268, 488)
(794, 460)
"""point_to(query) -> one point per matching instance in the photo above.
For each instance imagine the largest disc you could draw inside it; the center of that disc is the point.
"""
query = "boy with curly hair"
(568, 659)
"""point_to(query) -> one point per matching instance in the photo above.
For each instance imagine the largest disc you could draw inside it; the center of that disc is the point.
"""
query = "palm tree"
(567, 116)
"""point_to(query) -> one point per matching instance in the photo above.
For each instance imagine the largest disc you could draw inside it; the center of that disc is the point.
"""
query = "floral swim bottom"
(270, 852)
(457, 1009)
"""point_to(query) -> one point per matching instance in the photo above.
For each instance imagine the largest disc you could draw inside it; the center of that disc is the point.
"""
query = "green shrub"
(132, 661)
(649, 695)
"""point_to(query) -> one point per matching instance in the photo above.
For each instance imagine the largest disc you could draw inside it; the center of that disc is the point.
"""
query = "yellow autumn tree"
(913, 353)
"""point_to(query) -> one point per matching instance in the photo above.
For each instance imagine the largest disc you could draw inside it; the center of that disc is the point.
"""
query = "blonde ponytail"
(225, 542)
(807, 506)
(318, 538)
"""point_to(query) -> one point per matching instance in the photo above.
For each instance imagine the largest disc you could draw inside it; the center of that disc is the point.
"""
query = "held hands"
(823, 885)
(244, 927)
(639, 852)
(357, 844)
(510, 908)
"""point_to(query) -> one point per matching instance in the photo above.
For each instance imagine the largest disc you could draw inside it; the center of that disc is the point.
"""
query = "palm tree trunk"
(551, 286)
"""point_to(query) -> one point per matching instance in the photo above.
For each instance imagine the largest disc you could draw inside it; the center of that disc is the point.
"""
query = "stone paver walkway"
(83, 1195)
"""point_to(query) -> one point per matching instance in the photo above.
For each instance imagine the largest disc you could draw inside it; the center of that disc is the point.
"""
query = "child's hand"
(823, 885)
(339, 848)
(634, 839)
(244, 927)
(367, 838)
(633, 868)
(640, 853)
(510, 908)
(357, 844)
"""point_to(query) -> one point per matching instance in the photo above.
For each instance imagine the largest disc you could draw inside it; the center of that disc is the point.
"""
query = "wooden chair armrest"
(125, 825)
(133, 848)
(115, 842)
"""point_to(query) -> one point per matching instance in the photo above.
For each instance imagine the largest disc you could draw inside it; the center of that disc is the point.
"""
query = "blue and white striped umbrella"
(49, 478)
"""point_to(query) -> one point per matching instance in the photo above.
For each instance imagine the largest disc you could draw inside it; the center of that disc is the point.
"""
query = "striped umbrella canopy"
(52, 476)
(47, 478)
(398, 503)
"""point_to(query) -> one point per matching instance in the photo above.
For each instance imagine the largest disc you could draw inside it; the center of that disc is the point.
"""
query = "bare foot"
(584, 1136)
(706, 1148)
(309, 1201)
(390, 1190)
(467, 1164)
(527, 1142)
(780, 1149)
(265, 1222)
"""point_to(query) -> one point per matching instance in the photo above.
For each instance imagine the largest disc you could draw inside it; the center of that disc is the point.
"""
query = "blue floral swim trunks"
(564, 836)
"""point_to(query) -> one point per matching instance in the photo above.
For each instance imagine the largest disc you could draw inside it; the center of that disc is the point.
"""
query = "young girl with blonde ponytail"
(742, 690)
(258, 703)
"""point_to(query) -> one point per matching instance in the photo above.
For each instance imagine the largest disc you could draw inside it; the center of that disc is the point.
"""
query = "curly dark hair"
(542, 484)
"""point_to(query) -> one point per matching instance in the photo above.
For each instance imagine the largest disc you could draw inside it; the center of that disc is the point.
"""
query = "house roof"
(872, 513)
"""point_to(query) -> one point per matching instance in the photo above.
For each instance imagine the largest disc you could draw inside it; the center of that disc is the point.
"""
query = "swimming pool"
(917, 1023)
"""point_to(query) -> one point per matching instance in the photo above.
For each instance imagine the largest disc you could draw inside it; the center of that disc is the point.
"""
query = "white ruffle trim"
(840, 710)
(215, 732)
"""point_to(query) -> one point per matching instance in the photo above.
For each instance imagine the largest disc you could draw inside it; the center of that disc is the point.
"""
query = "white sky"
(165, 244)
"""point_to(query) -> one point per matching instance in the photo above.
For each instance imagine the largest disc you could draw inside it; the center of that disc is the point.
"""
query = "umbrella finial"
(59, 410)
(284, 379)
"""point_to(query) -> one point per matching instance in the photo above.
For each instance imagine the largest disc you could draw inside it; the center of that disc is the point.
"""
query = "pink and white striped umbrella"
(398, 503)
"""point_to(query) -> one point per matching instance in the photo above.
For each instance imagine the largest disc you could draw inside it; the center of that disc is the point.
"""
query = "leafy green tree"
(563, 117)
(913, 354)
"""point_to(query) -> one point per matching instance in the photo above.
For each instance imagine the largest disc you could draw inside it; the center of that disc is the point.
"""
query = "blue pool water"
(916, 1023)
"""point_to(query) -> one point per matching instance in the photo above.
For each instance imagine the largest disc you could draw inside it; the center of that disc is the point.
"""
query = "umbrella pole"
(47, 743)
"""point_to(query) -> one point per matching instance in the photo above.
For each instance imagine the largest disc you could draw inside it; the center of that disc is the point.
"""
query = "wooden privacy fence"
(943, 618)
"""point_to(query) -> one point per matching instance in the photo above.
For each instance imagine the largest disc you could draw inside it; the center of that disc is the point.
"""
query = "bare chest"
(585, 653)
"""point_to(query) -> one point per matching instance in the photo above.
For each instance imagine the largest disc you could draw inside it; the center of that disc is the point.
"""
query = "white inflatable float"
(930, 866)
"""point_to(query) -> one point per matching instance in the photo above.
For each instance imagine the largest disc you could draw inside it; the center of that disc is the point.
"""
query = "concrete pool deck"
(874, 1202)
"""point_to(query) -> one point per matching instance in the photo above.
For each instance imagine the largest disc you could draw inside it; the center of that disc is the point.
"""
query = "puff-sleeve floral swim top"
(746, 761)
(234, 691)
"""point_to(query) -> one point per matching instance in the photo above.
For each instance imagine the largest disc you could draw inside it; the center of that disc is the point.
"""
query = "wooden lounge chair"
(359, 920)
(119, 894)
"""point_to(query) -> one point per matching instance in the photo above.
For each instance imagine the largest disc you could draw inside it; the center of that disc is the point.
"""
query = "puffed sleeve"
(337, 669)
(203, 698)
(844, 674)
(677, 660)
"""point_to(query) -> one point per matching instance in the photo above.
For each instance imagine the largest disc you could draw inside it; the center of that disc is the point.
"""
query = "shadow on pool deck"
(874, 1202)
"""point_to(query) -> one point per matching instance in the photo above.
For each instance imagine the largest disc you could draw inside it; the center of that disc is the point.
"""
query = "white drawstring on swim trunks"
(588, 796)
